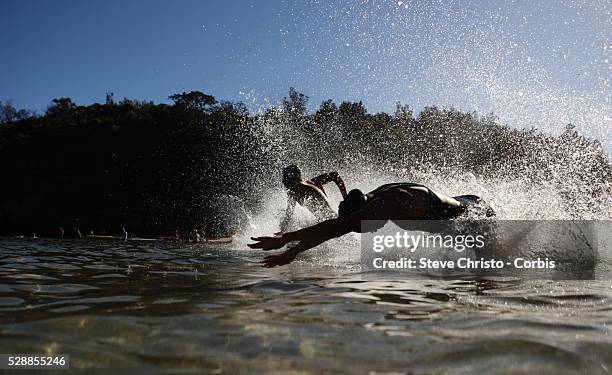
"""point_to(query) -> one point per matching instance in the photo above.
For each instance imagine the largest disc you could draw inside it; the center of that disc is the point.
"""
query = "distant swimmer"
(309, 193)
(202, 234)
(77, 232)
(397, 201)
(177, 237)
(124, 234)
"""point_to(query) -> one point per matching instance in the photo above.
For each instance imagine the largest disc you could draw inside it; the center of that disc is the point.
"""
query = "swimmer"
(309, 194)
(394, 202)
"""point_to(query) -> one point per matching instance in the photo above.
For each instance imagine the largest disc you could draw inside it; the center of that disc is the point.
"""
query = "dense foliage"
(156, 167)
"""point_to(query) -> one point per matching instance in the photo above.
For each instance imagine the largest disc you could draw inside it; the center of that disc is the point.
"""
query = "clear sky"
(533, 63)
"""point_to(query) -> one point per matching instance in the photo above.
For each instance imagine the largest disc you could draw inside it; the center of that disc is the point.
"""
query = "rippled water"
(210, 308)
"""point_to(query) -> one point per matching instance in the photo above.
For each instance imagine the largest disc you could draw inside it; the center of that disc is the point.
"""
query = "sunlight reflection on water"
(199, 307)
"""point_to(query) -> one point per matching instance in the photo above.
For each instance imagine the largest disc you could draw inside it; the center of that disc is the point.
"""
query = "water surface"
(200, 308)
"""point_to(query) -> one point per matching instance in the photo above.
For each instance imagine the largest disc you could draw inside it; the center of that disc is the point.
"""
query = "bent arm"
(331, 177)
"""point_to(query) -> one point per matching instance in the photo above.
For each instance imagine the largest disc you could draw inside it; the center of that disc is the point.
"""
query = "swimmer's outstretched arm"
(313, 236)
(322, 232)
(290, 254)
(307, 237)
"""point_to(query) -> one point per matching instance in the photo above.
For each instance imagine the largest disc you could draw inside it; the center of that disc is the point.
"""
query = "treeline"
(155, 168)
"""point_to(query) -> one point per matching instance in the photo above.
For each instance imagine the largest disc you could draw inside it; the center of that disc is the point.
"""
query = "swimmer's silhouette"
(396, 201)
(309, 194)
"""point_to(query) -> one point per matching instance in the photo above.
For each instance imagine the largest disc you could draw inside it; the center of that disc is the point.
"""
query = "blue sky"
(533, 63)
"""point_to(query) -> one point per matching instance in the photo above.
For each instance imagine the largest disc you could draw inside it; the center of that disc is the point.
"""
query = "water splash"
(535, 65)
(510, 59)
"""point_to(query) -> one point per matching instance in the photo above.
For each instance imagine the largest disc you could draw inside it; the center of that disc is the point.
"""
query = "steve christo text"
(462, 263)
(412, 241)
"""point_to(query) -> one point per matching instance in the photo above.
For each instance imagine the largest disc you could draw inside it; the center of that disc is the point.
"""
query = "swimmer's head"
(355, 200)
(292, 175)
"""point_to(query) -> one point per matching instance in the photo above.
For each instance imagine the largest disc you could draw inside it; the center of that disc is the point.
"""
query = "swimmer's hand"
(289, 255)
(268, 242)
(281, 259)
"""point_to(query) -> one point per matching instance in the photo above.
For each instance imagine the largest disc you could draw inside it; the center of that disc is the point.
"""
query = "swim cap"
(355, 200)
(291, 175)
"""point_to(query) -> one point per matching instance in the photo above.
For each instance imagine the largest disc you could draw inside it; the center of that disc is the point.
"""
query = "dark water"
(198, 308)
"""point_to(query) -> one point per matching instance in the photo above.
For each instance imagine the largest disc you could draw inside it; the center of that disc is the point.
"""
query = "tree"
(130, 164)
(238, 109)
(350, 109)
(61, 106)
(8, 113)
(403, 112)
(296, 103)
(327, 109)
(110, 98)
(194, 100)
